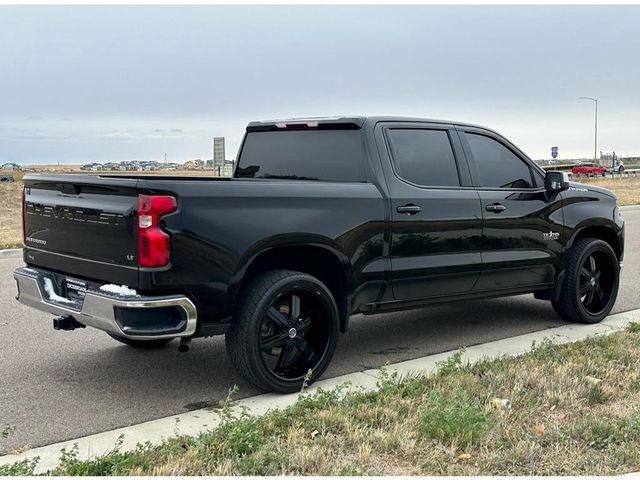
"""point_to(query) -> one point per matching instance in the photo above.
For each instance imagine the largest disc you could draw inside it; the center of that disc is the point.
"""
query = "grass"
(10, 214)
(575, 411)
(626, 188)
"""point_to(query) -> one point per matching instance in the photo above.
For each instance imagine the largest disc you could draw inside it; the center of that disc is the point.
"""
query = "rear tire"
(142, 344)
(286, 323)
(590, 283)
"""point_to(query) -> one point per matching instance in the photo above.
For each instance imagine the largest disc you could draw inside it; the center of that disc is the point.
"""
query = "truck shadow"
(375, 340)
(165, 378)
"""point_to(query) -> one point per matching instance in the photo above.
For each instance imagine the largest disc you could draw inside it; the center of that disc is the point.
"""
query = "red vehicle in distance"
(588, 169)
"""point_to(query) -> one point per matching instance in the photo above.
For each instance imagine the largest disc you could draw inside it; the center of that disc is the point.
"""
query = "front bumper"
(133, 316)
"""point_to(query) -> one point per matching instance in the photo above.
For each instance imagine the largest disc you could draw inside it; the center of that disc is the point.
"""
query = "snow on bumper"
(127, 315)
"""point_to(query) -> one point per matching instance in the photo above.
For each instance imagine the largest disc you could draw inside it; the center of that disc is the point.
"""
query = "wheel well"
(603, 233)
(315, 261)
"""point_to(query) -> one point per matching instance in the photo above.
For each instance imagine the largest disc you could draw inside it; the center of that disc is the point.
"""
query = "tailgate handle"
(68, 188)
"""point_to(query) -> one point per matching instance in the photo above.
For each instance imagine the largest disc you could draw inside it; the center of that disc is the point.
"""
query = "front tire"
(286, 324)
(590, 283)
(142, 344)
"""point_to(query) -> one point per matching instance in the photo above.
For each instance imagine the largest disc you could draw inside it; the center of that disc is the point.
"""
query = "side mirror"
(556, 181)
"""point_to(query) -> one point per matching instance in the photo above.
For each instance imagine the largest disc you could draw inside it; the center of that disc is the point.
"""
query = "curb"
(11, 253)
(197, 421)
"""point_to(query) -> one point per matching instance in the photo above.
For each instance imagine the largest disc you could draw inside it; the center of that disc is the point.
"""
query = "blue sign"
(554, 152)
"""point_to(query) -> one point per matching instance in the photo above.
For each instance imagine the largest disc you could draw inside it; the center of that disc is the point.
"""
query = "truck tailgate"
(82, 225)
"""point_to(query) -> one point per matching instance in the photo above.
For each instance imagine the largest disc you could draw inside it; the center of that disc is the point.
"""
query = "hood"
(583, 187)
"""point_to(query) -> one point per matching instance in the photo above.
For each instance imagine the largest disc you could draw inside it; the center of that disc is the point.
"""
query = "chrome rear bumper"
(98, 309)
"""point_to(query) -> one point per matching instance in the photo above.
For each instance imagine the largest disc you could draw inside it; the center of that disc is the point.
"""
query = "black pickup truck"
(324, 218)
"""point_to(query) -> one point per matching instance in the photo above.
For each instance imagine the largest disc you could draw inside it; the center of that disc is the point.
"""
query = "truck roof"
(346, 122)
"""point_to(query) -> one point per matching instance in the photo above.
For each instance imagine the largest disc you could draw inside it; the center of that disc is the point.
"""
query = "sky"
(80, 84)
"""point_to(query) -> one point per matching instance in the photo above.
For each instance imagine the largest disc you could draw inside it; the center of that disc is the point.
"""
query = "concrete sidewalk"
(197, 421)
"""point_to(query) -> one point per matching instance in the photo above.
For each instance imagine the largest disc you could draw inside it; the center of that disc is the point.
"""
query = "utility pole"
(595, 141)
(165, 160)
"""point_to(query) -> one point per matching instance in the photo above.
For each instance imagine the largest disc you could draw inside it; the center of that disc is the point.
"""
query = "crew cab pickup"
(588, 169)
(324, 218)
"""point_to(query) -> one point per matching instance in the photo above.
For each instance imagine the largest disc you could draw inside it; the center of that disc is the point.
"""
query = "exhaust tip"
(184, 345)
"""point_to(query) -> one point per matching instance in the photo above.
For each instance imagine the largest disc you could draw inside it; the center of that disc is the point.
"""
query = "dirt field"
(10, 215)
(627, 189)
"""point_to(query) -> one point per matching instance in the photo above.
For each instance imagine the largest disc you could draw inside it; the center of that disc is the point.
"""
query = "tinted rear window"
(331, 155)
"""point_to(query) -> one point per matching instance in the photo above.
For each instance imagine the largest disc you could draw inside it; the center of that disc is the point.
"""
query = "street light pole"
(595, 141)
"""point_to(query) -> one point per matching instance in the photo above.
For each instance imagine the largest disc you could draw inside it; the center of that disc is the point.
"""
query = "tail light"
(153, 243)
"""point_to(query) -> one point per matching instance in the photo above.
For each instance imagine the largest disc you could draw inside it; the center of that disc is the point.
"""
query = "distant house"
(11, 167)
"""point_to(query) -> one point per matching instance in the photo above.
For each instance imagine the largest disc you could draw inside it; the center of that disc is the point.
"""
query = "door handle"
(496, 208)
(409, 209)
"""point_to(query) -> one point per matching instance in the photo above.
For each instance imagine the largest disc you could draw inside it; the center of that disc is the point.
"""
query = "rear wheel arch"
(325, 264)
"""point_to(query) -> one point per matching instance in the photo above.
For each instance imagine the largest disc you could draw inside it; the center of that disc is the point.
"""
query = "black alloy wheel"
(284, 331)
(294, 336)
(596, 281)
(591, 281)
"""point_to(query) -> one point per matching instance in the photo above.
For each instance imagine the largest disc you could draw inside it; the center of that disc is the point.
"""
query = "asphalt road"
(57, 386)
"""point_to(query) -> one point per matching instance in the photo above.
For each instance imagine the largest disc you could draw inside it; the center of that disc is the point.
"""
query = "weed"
(547, 351)
(23, 468)
(306, 380)
(387, 381)
(600, 432)
(597, 394)
(451, 365)
(633, 327)
(234, 438)
(7, 431)
(456, 419)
